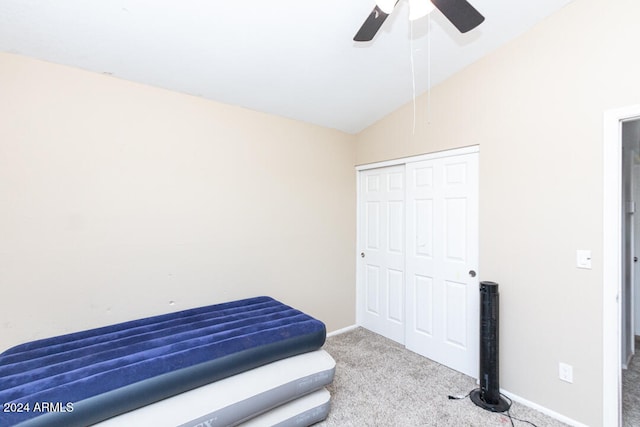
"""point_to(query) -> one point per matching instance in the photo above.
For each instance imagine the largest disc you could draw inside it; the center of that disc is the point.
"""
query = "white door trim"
(611, 262)
(421, 157)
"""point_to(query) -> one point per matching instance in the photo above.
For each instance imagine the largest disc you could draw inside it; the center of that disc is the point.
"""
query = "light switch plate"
(583, 259)
(565, 372)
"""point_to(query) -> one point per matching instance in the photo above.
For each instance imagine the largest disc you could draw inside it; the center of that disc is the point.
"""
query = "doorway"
(630, 164)
(617, 301)
(630, 161)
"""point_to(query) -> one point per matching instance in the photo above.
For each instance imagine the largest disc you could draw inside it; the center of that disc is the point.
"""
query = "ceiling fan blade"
(461, 14)
(371, 25)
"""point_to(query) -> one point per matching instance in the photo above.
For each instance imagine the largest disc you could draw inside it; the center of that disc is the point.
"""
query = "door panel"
(382, 196)
(442, 322)
(373, 225)
(373, 289)
(396, 226)
(424, 228)
(395, 298)
(423, 297)
(456, 314)
(455, 239)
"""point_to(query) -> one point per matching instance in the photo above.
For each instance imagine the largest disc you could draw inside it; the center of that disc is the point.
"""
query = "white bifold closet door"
(419, 255)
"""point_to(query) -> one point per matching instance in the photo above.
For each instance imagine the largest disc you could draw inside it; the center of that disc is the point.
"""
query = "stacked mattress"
(255, 360)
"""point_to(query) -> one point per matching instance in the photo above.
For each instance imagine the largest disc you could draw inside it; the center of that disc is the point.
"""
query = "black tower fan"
(488, 395)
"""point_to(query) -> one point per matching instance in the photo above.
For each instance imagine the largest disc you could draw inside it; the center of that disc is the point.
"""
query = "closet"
(417, 269)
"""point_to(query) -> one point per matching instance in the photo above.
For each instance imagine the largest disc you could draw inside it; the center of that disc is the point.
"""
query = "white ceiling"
(293, 58)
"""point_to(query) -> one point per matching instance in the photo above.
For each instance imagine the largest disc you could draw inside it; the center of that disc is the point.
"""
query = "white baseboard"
(341, 331)
(542, 409)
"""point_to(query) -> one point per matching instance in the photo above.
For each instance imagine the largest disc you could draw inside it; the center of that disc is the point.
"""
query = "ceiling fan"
(461, 14)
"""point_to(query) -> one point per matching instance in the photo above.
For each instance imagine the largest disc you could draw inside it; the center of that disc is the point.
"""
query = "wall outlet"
(565, 372)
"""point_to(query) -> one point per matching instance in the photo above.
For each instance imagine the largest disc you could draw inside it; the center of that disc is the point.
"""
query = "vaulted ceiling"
(293, 58)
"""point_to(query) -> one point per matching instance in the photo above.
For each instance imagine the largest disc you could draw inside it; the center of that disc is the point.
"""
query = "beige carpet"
(380, 383)
(631, 392)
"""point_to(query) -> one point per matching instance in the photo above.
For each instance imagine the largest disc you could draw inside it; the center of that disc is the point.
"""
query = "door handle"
(472, 273)
(362, 254)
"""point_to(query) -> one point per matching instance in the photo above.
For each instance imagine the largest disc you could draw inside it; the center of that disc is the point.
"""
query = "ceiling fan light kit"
(459, 12)
(419, 9)
(386, 5)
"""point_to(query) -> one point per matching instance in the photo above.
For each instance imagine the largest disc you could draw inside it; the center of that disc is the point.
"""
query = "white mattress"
(303, 411)
(238, 398)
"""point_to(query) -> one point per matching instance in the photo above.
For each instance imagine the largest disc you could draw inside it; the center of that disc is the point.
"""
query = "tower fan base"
(501, 406)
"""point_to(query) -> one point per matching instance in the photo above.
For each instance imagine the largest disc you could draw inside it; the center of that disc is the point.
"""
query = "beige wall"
(117, 198)
(535, 107)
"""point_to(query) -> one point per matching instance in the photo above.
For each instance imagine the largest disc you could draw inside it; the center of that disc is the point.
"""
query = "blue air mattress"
(85, 377)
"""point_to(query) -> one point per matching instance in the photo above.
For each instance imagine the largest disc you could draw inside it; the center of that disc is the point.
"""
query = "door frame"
(394, 162)
(611, 263)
